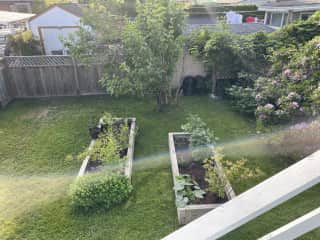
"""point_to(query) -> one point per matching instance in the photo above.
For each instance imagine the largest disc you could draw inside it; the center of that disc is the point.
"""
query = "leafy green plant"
(201, 137)
(24, 44)
(107, 119)
(106, 149)
(187, 190)
(99, 191)
(216, 182)
(234, 171)
(243, 98)
(123, 135)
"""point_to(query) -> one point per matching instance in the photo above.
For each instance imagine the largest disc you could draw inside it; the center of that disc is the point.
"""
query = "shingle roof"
(242, 29)
(72, 8)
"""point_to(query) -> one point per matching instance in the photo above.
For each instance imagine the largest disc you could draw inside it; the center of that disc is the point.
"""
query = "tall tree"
(152, 44)
(139, 54)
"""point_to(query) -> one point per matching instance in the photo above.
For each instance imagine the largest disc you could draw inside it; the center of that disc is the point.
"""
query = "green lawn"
(36, 136)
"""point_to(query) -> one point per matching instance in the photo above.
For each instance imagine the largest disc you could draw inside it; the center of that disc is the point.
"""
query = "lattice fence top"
(37, 61)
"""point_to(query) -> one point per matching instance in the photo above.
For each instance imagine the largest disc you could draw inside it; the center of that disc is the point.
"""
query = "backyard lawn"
(39, 144)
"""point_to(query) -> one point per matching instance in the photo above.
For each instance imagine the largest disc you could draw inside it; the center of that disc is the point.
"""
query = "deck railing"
(258, 200)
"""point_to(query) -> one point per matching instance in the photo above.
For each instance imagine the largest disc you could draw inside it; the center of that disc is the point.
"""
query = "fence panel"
(46, 76)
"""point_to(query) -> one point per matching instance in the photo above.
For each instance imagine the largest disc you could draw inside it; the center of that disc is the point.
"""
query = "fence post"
(5, 97)
(76, 77)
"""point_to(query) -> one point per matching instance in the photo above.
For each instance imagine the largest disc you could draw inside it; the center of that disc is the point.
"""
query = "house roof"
(72, 8)
(11, 17)
(242, 29)
(291, 5)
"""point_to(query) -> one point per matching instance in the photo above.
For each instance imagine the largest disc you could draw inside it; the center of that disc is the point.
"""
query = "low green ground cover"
(39, 142)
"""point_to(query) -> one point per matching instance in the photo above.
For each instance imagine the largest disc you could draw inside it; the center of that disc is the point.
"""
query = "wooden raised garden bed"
(180, 153)
(90, 166)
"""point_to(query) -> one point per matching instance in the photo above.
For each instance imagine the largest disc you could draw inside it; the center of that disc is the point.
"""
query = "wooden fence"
(47, 76)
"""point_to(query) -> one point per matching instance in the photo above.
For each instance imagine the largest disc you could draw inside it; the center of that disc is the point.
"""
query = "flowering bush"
(295, 91)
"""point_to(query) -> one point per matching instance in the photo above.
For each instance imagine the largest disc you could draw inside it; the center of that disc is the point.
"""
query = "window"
(276, 19)
(57, 52)
(285, 19)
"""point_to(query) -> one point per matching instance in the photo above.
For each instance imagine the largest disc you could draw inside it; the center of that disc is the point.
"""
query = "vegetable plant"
(201, 137)
(187, 190)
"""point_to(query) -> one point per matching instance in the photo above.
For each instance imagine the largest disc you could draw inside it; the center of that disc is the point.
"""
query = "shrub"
(234, 171)
(99, 191)
(243, 98)
(24, 44)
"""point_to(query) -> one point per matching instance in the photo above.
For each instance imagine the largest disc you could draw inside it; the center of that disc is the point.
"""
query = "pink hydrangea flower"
(287, 72)
(269, 106)
(262, 116)
(258, 97)
(294, 105)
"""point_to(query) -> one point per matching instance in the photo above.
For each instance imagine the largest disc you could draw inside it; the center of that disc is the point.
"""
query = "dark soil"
(195, 169)
(197, 172)
(93, 166)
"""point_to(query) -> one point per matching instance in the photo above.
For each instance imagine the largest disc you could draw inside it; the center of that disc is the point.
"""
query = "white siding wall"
(55, 17)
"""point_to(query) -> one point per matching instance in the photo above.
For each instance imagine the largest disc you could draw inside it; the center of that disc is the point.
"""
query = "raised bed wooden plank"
(192, 211)
(130, 152)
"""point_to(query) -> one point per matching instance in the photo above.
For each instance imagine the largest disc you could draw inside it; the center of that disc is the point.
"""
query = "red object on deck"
(250, 19)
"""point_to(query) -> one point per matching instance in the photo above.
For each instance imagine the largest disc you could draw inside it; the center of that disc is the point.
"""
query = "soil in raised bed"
(195, 169)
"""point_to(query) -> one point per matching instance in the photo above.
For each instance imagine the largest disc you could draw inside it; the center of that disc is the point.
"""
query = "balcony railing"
(258, 200)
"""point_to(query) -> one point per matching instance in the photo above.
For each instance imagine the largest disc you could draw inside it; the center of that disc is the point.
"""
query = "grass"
(36, 136)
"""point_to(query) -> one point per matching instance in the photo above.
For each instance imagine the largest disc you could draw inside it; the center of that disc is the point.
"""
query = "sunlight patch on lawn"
(19, 195)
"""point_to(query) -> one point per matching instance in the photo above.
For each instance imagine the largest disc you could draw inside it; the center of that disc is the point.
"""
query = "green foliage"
(98, 36)
(234, 171)
(292, 92)
(215, 181)
(243, 98)
(106, 149)
(201, 137)
(296, 34)
(99, 191)
(187, 190)
(24, 44)
(110, 142)
(287, 89)
(151, 44)
(223, 52)
(123, 136)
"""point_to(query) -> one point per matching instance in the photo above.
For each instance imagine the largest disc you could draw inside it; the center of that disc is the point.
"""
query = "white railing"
(296, 228)
(254, 202)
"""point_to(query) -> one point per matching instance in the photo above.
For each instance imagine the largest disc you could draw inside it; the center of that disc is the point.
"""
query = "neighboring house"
(282, 12)
(14, 19)
(56, 22)
(24, 6)
(10, 23)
